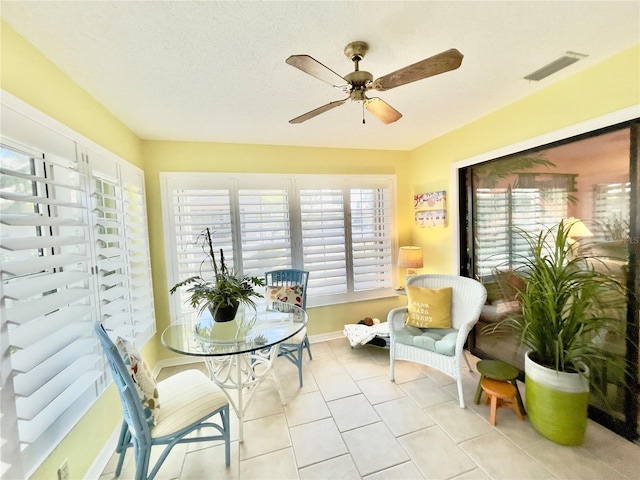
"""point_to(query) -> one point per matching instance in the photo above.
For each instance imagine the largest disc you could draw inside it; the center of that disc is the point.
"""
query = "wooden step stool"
(501, 394)
(498, 370)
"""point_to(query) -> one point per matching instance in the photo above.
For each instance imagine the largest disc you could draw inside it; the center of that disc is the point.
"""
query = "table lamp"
(577, 231)
(410, 258)
(577, 228)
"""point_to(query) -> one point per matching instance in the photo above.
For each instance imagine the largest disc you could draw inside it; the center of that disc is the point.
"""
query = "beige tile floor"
(350, 422)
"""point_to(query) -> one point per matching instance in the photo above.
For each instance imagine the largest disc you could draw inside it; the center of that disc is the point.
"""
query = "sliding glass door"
(590, 180)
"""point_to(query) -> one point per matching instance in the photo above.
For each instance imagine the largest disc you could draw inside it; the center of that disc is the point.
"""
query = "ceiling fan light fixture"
(563, 62)
(358, 96)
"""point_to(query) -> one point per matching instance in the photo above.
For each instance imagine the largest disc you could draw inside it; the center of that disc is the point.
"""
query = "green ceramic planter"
(557, 403)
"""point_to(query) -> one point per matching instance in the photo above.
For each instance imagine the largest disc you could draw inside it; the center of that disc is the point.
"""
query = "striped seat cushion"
(186, 397)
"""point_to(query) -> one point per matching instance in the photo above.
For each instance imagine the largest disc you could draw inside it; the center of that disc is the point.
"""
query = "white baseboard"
(325, 337)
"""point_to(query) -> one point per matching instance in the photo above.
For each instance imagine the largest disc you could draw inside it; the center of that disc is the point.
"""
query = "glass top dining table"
(239, 354)
(251, 330)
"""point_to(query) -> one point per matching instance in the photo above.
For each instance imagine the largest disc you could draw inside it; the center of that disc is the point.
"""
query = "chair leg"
(306, 344)
(143, 453)
(391, 368)
(224, 415)
(294, 353)
(123, 444)
(299, 360)
(460, 395)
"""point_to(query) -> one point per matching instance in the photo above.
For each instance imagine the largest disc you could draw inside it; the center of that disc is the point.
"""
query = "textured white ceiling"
(215, 70)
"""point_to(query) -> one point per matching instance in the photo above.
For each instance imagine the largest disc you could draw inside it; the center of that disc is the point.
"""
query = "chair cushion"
(439, 340)
(287, 294)
(142, 377)
(187, 397)
(429, 308)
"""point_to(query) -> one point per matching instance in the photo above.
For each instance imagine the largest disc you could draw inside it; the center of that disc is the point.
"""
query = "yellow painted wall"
(30, 76)
(604, 88)
(25, 73)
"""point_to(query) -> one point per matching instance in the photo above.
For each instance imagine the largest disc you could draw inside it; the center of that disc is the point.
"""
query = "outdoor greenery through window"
(339, 228)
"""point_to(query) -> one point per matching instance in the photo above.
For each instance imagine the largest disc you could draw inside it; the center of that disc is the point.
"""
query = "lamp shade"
(410, 257)
(578, 228)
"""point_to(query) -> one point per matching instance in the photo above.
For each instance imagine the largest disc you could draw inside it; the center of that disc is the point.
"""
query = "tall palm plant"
(567, 303)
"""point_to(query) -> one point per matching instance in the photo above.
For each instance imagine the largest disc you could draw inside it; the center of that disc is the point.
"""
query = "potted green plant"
(224, 293)
(567, 306)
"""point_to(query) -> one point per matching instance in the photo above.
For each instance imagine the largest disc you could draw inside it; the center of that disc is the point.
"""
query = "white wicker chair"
(468, 296)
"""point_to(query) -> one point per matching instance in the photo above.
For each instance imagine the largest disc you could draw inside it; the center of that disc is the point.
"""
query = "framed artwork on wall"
(430, 201)
(431, 218)
(430, 209)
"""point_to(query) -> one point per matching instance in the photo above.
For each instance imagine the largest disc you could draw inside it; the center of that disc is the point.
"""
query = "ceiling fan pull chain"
(363, 122)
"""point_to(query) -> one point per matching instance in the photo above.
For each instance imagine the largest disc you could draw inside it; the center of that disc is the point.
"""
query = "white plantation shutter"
(137, 235)
(611, 212)
(338, 228)
(264, 230)
(110, 246)
(122, 246)
(191, 210)
(69, 255)
(492, 232)
(324, 240)
(371, 240)
(501, 213)
(48, 296)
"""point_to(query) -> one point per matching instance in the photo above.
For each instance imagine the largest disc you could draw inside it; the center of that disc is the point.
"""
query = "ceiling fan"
(358, 82)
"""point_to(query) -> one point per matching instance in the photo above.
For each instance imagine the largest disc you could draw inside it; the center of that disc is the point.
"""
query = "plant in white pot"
(224, 293)
(567, 306)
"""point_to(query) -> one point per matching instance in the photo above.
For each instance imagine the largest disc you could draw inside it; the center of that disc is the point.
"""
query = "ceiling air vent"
(556, 65)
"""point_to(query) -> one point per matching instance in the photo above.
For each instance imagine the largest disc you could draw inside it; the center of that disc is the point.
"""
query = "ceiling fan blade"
(317, 111)
(381, 109)
(440, 63)
(314, 68)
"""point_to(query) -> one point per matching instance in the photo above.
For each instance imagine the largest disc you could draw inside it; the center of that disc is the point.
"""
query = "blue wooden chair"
(290, 286)
(187, 400)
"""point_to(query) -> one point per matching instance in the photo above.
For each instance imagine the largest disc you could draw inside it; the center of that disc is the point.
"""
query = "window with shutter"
(190, 211)
(502, 214)
(611, 211)
(48, 300)
(371, 241)
(113, 264)
(338, 228)
(137, 242)
(73, 250)
(122, 246)
(324, 240)
(264, 230)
